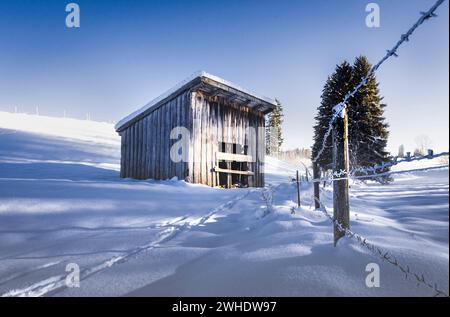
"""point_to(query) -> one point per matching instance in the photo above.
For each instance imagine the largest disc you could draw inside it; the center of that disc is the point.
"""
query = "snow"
(179, 86)
(62, 201)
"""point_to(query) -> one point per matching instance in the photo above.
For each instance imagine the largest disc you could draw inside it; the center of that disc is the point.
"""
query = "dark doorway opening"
(232, 179)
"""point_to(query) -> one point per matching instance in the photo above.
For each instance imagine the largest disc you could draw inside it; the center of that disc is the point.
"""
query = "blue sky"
(128, 52)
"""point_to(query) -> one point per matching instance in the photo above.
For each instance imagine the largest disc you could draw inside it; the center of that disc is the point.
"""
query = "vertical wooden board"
(132, 149)
(239, 133)
(161, 143)
(146, 150)
(225, 123)
(224, 126)
(131, 168)
(263, 151)
(168, 121)
(165, 127)
(226, 134)
(142, 154)
(168, 140)
(219, 138)
(254, 148)
(139, 149)
(200, 140)
(196, 148)
(150, 146)
(203, 142)
(144, 147)
(238, 127)
(129, 150)
(207, 140)
(258, 149)
(179, 118)
(234, 125)
(185, 123)
(247, 143)
(190, 121)
(135, 150)
(213, 141)
(157, 143)
(174, 125)
(194, 123)
(258, 163)
(153, 145)
(162, 148)
(210, 143)
(123, 157)
(122, 153)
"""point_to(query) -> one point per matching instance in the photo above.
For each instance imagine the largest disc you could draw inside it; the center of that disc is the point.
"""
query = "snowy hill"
(62, 201)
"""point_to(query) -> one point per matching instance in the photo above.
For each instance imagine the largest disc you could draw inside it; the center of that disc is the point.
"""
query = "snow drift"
(62, 201)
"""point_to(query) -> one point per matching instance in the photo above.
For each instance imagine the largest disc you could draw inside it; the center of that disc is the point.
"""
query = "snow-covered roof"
(207, 79)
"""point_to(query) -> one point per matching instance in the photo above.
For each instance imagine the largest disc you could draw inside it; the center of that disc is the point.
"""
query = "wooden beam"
(228, 171)
(221, 156)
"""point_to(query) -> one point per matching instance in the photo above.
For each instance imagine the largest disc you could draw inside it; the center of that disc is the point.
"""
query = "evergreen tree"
(368, 131)
(367, 128)
(274, 135)
(336, 86)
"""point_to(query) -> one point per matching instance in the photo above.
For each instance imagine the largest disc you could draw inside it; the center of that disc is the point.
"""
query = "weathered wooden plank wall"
(211, 120)
(217, 121)
(145, 148)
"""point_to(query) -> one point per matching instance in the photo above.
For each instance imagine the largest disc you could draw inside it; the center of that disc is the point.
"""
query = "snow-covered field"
(62, 201)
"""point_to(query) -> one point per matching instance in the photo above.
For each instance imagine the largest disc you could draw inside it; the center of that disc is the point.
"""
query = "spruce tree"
(336, 86)
(368, 131)
(367, 127)
(274, 135)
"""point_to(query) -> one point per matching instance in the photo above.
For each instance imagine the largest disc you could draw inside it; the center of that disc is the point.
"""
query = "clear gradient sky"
(128, 52)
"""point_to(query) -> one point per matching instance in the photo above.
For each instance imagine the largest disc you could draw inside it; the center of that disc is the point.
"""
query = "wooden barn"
(225, 142)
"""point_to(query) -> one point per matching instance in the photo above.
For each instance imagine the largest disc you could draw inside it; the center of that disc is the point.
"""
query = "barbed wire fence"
(340, 107)
(384, 255)
(370, 172)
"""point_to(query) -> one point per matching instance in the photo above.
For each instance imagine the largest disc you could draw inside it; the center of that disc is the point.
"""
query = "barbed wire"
(396, 161)
(338, 109)
(377, 175)
(383, 166)
(385, 256)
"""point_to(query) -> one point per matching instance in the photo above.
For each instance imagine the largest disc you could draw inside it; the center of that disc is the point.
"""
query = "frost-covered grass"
(62, 201)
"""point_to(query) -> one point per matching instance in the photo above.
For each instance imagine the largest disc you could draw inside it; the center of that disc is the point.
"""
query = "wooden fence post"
(340, 163)
(298, 191)
(316, 176)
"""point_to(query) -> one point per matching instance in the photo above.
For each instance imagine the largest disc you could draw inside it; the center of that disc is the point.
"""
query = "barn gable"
(211, 85)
